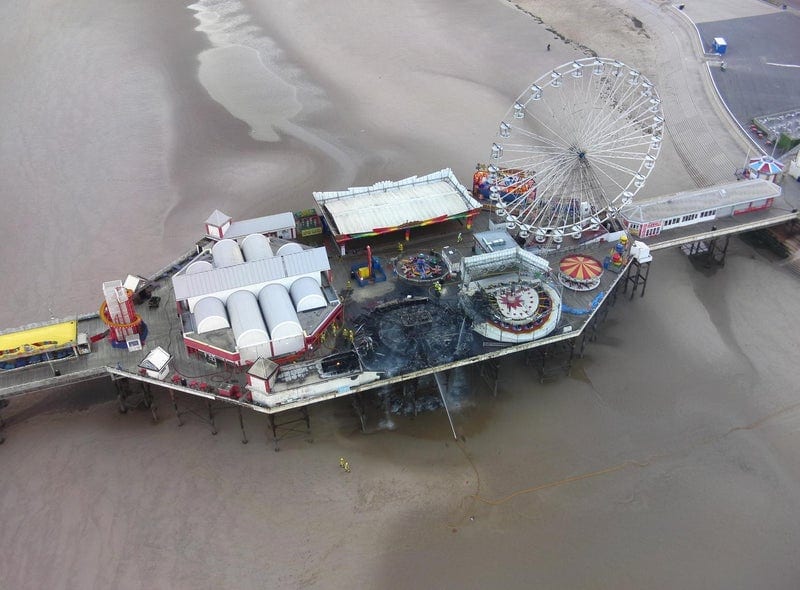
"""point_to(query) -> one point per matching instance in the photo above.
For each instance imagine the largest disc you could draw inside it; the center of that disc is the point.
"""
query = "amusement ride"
(575, 146)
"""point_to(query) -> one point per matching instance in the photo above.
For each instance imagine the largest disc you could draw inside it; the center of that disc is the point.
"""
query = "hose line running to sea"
(553, 484)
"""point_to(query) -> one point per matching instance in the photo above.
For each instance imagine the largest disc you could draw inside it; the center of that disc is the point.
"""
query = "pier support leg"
(592, 329)
(274, 429)
(208, 417)
(718, 253)
(410, 392)
(571, 356)
(288, 428)
(602, 314)
(241, 425)
(129, 397)
(612, 297)
(175, 407)
(125, 394)
(555, 358)
(636, 277)
(543, 365)
(360, 409)
(490, 373)
(120, 397)
(149, 400)
(3, 404)
(584, 339)
(211, 418)
(641, 277)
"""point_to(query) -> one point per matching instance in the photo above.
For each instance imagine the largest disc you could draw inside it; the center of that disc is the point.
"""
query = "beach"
(667, 458)
(122, 140)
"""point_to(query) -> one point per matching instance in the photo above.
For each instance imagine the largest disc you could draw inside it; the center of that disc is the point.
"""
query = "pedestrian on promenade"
(548, 47)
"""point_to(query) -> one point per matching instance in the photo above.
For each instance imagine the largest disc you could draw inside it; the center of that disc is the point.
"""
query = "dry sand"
(667, 460)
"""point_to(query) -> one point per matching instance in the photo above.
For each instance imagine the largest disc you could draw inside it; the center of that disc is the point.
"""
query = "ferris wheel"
(576, 146)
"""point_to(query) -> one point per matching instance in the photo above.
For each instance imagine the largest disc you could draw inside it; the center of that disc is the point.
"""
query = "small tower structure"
(126, 329)
(217, 224)
(261, 379)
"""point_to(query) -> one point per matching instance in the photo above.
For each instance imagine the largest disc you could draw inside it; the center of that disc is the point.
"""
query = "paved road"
(750, 85)
(758, 34)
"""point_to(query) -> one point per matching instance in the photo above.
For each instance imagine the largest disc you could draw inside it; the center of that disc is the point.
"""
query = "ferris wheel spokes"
(575, 143)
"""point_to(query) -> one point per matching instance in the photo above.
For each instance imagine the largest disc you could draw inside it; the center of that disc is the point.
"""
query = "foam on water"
(246, 73)
(234, 78)
(239, 71)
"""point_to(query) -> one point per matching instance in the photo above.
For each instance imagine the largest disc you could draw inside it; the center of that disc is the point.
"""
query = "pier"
(216, 384)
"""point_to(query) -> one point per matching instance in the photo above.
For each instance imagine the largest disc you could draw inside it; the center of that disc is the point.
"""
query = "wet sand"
(667, 459)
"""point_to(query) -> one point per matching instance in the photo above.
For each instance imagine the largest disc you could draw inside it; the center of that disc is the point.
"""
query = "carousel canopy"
(765, 165)
(579, 267)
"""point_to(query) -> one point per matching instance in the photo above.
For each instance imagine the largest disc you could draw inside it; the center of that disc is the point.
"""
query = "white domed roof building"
(256, 247)
(286, 333)
(249, 331)
(253, 296)
(226, 253)
(210, 314)
(307, 294)
(199, 266)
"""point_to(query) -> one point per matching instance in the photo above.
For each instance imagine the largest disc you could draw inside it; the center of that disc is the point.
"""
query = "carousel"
(516, 310)
(765, 167)
(579, 272)
(420, 269)
(510, 295)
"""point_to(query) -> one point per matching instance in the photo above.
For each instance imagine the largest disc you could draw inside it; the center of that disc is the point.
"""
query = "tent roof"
(580, 267)
(392, 205)
(765, 165)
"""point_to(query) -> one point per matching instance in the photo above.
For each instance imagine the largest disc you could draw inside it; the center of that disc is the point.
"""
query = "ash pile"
(411, 334)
